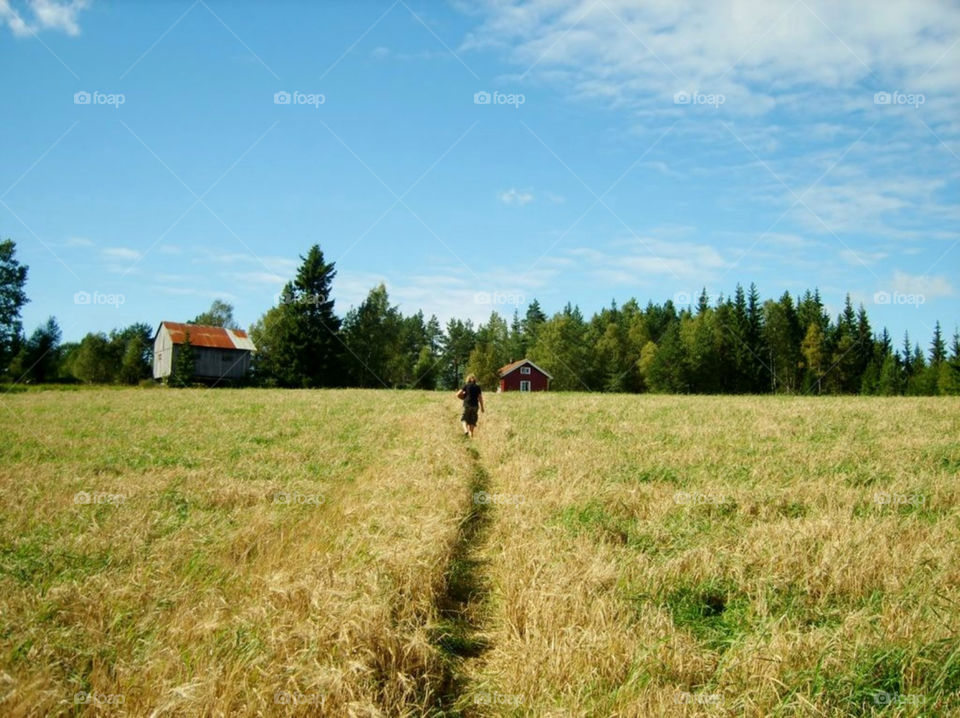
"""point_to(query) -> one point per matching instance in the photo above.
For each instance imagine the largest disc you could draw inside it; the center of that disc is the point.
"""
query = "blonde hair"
(471, 378)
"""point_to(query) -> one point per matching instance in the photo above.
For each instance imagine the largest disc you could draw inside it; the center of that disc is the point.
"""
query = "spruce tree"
(938, 347)
(372, 334)
(532, 321)
(13, 278)
(318, 349)
(889, 383)
(668, 370)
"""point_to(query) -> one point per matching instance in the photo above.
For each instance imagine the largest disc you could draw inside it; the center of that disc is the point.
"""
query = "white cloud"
(929, 287)
(161, 277)
(280, 265)
(641, 260)
(78, 242)
(378, 53)
(513, 196)
(193, 292)
(860, 258)
(663, 168)
(757, 53)
(47, 15)
(121, 253)
(268, 278)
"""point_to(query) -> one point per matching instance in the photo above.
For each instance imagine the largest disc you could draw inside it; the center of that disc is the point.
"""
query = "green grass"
(664, 555)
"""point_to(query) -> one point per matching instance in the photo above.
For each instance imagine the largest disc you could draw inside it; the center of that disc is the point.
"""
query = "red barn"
(524, 375)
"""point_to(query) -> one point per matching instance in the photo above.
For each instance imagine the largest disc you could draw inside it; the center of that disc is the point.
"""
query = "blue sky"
(628, 149)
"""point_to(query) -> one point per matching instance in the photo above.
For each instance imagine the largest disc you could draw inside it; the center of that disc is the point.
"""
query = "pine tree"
(725, 348)
(517, 344)
(298, 341)
(13, 278)
(938, 347)
(459, 342)
(703, 301)
(318, 349)
(372, 333)
(948, 379)
(698, 336)
(739, 330)
(760, 370)
(783, 346)
(532, 322)
(864, 351)
(889, 383)
(906, 355)
(668, 370)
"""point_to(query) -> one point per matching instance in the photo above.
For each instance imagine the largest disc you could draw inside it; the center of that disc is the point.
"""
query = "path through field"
(261, 552)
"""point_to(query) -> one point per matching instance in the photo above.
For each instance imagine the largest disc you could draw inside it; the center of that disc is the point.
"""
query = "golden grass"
(202, 592)
(724, 556)
(262, 552)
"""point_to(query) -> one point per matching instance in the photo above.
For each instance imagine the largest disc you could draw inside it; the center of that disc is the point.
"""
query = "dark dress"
(471, 404)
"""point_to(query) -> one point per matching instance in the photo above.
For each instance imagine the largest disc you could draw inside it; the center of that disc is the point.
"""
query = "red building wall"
(511, 382)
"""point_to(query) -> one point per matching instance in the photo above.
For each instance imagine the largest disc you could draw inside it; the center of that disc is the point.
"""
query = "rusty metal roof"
(204, 336)
(504, 370)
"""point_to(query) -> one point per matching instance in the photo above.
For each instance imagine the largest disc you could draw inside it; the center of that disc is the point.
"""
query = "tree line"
(736, 344)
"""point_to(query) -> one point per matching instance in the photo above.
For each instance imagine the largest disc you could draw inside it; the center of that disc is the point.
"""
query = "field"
(259, 552)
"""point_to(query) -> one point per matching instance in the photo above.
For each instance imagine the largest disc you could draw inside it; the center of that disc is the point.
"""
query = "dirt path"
(459, 634)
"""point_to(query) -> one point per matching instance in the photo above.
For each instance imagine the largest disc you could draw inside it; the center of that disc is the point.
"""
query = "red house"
(524, 375)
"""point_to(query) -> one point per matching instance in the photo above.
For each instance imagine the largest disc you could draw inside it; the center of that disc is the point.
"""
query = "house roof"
(504, 370)
(204, 336)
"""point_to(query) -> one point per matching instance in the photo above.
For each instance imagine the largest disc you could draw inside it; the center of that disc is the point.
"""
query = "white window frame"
(525, 385)
(524, 370)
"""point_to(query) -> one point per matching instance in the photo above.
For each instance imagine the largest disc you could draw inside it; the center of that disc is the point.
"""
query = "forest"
(735, 344)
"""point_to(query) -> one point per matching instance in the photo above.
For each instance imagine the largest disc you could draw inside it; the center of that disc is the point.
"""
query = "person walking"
(472, 397)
